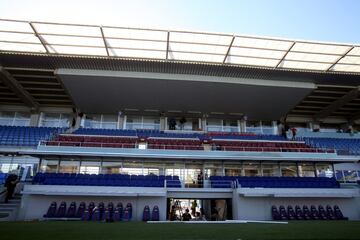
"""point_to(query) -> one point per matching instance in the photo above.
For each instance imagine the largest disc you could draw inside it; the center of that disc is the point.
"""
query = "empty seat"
(146, 214)
(71, 212)
(51, 212)
(62, 210)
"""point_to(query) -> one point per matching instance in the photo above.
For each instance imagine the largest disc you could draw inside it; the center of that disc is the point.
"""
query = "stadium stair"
(9, 211)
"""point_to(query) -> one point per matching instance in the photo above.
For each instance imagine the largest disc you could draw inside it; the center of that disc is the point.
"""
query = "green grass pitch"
(138, 230)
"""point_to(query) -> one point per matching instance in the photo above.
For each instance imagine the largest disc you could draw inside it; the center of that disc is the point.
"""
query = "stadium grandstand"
(130, 124)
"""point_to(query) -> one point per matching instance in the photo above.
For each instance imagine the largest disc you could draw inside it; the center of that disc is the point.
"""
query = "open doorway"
(199, 209)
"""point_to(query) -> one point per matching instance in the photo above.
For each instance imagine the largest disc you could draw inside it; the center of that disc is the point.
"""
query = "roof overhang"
(113, 91)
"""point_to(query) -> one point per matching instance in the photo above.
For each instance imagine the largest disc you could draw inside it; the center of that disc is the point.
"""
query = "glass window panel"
(311, 57)
(305, 65)
(136, 44)
(355, 51)
(353, 60)
(256, 53)
(49, 166)
(350, 175)
(213, 169)
(252, 61)
(324, 170)
(346, 68)
(67, 29)
(111, 167)
(270, 169)
(135, 33)
(196, 57)
(132, 168)
(137, 53)
(15, 26)
(306, 170)
(20, 47)
(339, 175)
(262, 43)
(83, 41)
(288, 169)
(251, 169)
(153, 168)
(69, 166)
(90, 167)
(199, 48)
(200, 38)
(78, 50)
(19, 37)
(320, 48)
(233, 169)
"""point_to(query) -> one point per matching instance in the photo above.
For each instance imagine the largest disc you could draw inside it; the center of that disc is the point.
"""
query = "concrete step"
(9, 204)
(7, 209)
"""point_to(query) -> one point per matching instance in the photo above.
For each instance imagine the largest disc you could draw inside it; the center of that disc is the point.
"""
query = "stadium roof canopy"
(182, 46)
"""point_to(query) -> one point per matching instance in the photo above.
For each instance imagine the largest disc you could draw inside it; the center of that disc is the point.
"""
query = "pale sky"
(319, 20)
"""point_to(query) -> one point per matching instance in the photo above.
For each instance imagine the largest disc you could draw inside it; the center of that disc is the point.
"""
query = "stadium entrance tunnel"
(199, 209)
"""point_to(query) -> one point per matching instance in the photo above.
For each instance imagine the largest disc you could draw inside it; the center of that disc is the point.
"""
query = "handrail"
(185, 147)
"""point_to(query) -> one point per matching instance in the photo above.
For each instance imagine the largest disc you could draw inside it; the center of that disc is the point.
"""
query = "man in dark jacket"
(10, 184)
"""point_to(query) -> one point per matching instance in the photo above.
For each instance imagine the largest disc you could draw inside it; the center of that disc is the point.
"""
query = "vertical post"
(124, 122)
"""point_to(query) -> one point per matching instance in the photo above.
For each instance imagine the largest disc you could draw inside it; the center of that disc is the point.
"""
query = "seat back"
(155, 214)
(51, 212)
(71, 213)
(81, 210)
(62, 210)
(146, 214)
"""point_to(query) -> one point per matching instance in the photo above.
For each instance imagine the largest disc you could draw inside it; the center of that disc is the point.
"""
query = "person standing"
(186, 215)
(10, 184)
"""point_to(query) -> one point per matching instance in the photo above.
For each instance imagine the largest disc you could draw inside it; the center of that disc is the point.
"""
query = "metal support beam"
(341, 57)
(43, 42)
(105, 43)
(167, 45)
(229, 48)
(287, 52)
(14, 85)
(338, 103)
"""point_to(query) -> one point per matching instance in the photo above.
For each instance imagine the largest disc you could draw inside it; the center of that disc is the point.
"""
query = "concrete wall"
(247, 207)
(35, 206)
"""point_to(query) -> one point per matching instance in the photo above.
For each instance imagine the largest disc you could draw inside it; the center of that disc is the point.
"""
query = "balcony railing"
(183, 147)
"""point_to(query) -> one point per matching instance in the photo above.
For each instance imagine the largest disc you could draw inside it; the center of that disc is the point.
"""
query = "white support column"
(199, 124)
(124, 122)
(243, 126)
(166, 123)
(119, 121)
(239, 126)
(162, 123)
(41, 116)
(204, 124)
(275, 128)
(34, 119)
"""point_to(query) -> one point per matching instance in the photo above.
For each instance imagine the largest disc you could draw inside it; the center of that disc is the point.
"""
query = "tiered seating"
(177, 144)
(105, 132)
(120, 180)
(3, 177)
(26, 136)
(342, 145)
(319, 213)
(173, 182)
(274, 182)
(245, 136)
(93, 141)
(254, 146)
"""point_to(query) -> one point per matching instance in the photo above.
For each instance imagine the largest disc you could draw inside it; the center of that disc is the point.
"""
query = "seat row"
(119, 180)
(26, 136)
(273, 182)
(305, 213)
